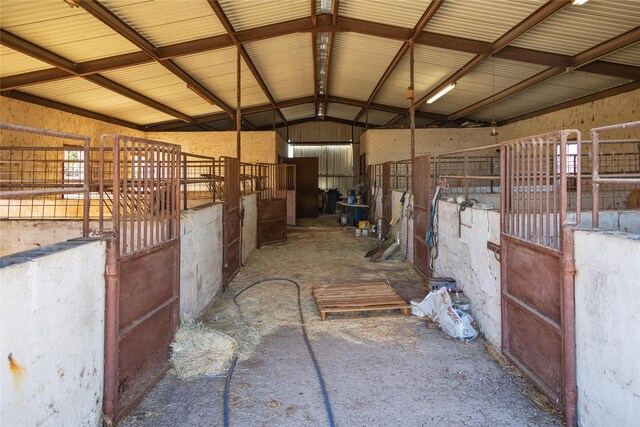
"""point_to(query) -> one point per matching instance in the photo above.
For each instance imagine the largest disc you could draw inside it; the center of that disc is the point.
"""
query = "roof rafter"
(112, 21)
(603, 49)
(417, 29)
(543, 12)
(217, 9)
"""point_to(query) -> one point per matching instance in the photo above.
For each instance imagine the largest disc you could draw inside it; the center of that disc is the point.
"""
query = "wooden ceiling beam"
(105, 16)
(417, 30)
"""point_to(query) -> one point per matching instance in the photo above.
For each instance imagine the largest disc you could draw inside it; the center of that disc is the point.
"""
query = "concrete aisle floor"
(384, 370)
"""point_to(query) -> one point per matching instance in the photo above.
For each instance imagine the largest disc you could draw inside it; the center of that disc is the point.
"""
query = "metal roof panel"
(245, 14)
(13, 62)
(301, 111)
(400, 13)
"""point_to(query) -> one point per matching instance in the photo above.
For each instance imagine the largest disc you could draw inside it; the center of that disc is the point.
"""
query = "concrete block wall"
(201, 248)
(52, 324)
(607, 331)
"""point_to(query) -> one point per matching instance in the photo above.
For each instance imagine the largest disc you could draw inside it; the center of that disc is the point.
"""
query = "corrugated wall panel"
(318, 131)
(244, 14)
(165, 22)
(263, 119)
(83, 94)
(551, 92)
(69, 32)
(358, 63)
(335, 164)
(432, 66)
(13, 62)
(577, 28)
(484, 20)
(285, 64)
(400, 13)
(158, 83)
(216, 71)
(378, 118)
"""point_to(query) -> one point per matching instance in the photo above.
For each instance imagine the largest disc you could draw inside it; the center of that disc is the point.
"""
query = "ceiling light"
(443, 92)
(578, 2)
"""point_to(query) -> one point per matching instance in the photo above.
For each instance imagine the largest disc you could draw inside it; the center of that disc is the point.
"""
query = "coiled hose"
(325, 395)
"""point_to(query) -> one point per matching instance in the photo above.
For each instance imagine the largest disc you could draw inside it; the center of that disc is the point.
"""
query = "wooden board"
(366, 296)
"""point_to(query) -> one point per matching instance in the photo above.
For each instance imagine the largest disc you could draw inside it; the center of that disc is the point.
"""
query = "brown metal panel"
(291, 207)
(146, 282)
(306, 186)
(144, 353)
(421, 214)
(536, 347)
(534, 277)
(272, 221)
(231, 219)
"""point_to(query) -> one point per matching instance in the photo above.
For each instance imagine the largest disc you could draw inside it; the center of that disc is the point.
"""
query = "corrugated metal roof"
(285, 64)
(263, 119)
(244, 14)
(216, 71)
(432, 66)
(628, 56)
(556, 90)
(479, 84)
(378, 118)
(69, 32)
(342, 111)
(400, 13)
(484, 20)
(84, 94)
(156, 82)
(299, 111)
(165, 22)
(359, 61)
(575, 29)
(13, 62)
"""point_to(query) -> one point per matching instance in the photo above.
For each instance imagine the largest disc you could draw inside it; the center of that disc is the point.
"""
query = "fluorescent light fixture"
(578, 2)
(443, 92)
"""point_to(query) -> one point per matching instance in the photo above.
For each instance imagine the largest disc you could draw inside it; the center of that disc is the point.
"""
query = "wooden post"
(412, 108)
(238, 102)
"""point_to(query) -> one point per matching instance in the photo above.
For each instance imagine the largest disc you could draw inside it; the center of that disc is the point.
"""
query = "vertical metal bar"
(595, 178)
(148, 216)
(412, 108)
(528, 193)
(516, 189)
(563, 184)
(540, 196)
(504, 208)
(466, 174)
(116, 193)
(101, 184)
(534, 225)
(554, 243)
(548, 190)
(112, 321)
(238, 102)
(141, 195)
(184, 181)
(125, 195)
(87, 188)
(569, 392)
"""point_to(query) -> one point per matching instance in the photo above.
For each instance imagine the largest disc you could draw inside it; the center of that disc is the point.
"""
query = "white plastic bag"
(456, 323)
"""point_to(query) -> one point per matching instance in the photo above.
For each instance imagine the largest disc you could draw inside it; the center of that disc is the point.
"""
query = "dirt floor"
(379, 369)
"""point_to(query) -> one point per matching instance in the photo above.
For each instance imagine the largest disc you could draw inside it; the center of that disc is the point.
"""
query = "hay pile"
(199, 350)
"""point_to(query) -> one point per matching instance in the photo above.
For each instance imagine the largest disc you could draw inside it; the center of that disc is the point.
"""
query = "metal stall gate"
(231, 220)
(421, 182)
(277, 183)
(536, 263)
(143, 264)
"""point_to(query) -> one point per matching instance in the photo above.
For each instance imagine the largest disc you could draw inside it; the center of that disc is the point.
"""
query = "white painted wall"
(25, 234)
(406, 210)
(467, 259)
(52, 322)
(201, 246)
(607, 331)
(249, 225)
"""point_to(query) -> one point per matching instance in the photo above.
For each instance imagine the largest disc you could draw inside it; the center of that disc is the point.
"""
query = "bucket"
(343, 219)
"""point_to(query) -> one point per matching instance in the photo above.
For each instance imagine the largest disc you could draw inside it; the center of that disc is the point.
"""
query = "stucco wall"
(201, 246)
(249, 226)
(256, 147)
(52, 323)
(467, 259)
(608, 111)
(607, 332)
(383, 145)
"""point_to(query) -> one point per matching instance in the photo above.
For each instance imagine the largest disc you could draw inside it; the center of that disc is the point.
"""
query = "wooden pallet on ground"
(350, 297)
